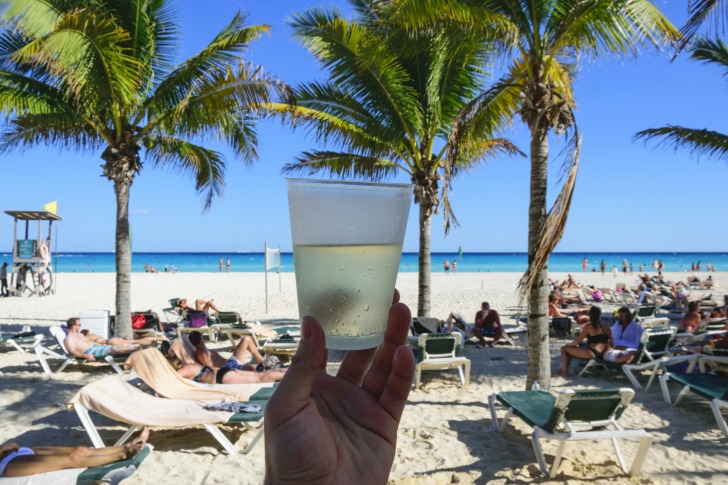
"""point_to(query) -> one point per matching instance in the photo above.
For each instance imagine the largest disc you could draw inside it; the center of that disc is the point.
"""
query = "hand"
(7, 448)
(325, 429)
(89, 357)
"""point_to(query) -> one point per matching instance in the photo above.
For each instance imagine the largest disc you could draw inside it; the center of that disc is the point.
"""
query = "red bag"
(138, 321)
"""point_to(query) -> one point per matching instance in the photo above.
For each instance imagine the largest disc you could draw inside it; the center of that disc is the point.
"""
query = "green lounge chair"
(709, 386)
(654, 344)
(16, 340)
(112, 473)
(437, 351)
(572, 416)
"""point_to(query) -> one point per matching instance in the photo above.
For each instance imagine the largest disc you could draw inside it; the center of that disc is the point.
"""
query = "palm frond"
(699, 11)
(711, 52)
(206, 166)
(53, 129)
(342, 165)
(222, 52)
(699, 142)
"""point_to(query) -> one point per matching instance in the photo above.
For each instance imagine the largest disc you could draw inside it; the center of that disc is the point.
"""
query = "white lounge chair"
(437, 351)
(59, 335)
(117, 399)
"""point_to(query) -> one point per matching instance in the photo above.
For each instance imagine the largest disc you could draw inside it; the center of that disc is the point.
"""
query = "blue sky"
(629, 197)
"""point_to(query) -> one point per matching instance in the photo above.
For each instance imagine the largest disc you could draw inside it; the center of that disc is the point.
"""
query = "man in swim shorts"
(79, 346)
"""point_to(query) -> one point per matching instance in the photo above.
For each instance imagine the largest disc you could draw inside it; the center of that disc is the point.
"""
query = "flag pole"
(265, 257)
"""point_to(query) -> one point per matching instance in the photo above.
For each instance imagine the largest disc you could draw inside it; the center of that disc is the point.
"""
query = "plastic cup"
(347, 243)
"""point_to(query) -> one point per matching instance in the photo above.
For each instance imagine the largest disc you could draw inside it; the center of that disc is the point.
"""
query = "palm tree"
(699, 141)
(387, 108)
(88, 75)
(543, 42)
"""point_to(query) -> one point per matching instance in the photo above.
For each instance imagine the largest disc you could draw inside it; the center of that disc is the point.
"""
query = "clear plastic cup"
(347, 243)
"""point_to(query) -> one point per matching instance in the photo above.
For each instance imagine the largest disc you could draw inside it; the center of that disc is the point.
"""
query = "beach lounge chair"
(437, 351)
(654, 344)
(113, 473)
(571, 416)
(119, 400)
(151, 366)
(646, 316)
(234, 327)
(23, 338)
(710, 386)
(96, 321)
(152, 325)
(59, 334)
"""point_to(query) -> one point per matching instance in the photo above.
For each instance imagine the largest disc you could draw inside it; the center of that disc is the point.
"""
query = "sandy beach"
(445, 434)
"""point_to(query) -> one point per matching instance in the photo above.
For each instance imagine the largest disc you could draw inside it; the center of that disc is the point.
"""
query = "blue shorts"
(234, 364)
(100, 351)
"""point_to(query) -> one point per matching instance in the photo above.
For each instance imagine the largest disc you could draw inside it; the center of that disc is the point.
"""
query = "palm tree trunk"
(123, 262)
(425, 263)
(539, 358)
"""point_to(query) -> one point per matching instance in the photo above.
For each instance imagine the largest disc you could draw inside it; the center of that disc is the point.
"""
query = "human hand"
(7, 448)
(325, 429)
(89, 357)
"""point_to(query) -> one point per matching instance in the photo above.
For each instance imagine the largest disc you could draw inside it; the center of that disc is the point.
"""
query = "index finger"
(396, 335)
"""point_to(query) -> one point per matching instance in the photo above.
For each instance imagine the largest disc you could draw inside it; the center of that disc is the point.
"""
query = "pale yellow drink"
(349, 290)
(347, 243)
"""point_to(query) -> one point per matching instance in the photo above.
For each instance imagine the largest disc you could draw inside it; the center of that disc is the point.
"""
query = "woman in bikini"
(598, 337)
(17, 461)
(227, 375)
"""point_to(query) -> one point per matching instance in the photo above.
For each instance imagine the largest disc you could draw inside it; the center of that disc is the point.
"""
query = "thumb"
(310, 359)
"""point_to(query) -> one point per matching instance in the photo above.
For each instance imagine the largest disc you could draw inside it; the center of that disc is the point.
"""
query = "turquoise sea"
(468, 262)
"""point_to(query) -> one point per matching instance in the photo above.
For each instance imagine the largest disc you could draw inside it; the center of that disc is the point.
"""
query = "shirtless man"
(210, 367)
(79, 346)
(487, 319)
(98, 339)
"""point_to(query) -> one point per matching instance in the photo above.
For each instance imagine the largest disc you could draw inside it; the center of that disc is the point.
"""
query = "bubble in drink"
(336, 298)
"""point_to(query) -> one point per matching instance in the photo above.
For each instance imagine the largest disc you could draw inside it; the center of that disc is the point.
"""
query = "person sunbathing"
(200, 305)
(98, 339)
(581, 315)
(79, 346)
(210, 367)
(692, 318)
(17, 461)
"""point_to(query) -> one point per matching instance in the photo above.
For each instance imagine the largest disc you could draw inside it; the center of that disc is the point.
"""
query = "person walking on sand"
(446, 265)
(584, 263)
(625, 266)
(454, 266)
(220, 264)
(227, 265)
(603, 266)
(4, 279)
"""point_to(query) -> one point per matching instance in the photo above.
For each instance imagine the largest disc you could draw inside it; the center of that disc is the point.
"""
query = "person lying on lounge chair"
(79, 346)
(229, 375)
(17, 461)
(200, 305)
(98, 339)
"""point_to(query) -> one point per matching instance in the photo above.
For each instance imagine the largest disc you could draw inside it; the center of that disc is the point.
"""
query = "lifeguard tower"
(32, 255)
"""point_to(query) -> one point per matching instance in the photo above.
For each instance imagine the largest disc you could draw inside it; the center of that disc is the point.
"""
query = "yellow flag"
(51, 207)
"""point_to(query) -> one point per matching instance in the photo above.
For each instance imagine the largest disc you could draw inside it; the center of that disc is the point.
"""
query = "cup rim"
(364, 183)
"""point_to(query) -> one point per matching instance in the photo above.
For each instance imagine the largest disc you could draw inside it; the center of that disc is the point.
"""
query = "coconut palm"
(543, 43)
(89, 75)
(387, 109)
(698, 141)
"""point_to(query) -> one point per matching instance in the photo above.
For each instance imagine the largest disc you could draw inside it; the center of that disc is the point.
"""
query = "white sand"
(445, 433)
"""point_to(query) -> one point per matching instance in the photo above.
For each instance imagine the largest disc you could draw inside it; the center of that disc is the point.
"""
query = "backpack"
(197, 319)
(138, 321)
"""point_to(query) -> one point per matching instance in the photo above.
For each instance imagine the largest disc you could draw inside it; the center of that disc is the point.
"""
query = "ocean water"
(468, 262)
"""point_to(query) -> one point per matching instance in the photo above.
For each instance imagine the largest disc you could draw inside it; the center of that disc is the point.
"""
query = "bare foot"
(138, 444)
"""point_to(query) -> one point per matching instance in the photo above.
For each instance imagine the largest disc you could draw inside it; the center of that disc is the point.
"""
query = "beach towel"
(154, 369)
(115, 398)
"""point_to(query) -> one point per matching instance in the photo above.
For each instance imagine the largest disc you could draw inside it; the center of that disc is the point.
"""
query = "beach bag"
(597, 295)
(138, 321)
(197, 319)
